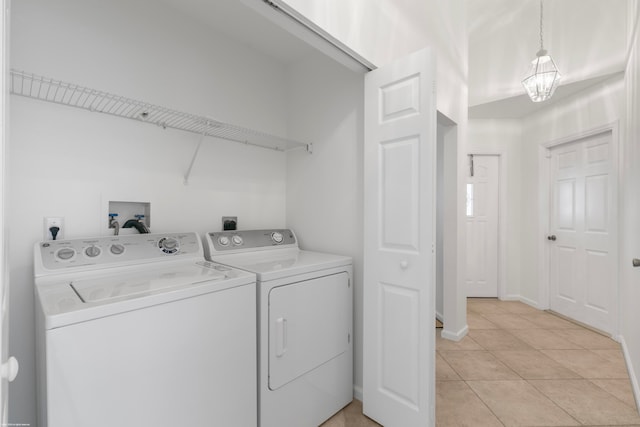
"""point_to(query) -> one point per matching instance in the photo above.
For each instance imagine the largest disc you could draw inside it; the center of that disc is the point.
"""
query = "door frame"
(502, 218)
(4, 263)
(544, 204)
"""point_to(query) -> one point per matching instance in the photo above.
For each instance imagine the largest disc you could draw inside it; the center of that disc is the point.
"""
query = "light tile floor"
(519, 366)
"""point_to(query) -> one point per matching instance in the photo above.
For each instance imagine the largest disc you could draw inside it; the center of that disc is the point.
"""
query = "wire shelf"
(64, 93)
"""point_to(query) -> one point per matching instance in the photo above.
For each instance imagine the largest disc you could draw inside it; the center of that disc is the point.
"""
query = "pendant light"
(543, 76)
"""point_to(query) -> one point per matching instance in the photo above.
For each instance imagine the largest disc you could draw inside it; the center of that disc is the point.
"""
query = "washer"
(140, 330)
(305, 345)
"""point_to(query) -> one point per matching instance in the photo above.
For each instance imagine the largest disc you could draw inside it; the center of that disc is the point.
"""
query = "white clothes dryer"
(141, 330)
(305, 322)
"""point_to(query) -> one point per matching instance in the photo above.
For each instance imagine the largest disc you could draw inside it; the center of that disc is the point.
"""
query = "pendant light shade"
(543, 76)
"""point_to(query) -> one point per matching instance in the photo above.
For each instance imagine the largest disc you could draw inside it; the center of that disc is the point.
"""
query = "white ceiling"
(234, 20)
(586, 38)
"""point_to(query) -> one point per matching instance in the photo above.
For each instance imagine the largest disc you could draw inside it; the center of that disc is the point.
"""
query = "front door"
(399, 237)
(482, 225)
(583, 239)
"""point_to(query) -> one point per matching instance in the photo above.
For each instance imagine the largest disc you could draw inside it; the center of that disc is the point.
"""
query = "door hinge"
(349, 338)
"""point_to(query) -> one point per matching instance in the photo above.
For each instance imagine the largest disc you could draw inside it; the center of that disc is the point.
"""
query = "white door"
(9, 368)
(482, 226)
(582, 237)
(399, 223)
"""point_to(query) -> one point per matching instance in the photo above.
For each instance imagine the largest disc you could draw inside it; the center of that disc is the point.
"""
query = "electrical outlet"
(53, 221)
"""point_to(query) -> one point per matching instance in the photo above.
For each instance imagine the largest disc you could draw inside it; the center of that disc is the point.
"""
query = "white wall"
(440, 197)
(594, 107)
(324, 190)
(504, 137)
(67, 162)
(384, 30)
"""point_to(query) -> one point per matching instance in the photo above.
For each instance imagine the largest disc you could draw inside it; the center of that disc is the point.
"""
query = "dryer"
(305, 341)
(141, 330)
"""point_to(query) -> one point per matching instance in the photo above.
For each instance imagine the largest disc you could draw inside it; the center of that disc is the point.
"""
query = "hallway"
(519, 366)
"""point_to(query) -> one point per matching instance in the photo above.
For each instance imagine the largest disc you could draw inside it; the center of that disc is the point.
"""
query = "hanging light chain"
(543, 76)
(541, 45)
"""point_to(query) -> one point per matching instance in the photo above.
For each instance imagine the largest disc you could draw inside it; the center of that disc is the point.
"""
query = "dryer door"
(309, 324)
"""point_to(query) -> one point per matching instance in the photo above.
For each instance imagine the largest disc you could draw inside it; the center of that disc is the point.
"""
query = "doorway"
(483, 217)
(451, 301)
(582, 238)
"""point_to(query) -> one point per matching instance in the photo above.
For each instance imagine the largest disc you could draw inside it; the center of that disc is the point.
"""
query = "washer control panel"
(225, 241)
(114, 250)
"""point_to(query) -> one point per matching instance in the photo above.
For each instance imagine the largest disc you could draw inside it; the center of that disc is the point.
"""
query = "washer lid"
(121, 286)
(279, 263)
(97, 296)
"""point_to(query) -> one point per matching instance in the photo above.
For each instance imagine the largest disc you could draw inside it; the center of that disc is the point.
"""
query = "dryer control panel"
(113, 251)
(234, 241)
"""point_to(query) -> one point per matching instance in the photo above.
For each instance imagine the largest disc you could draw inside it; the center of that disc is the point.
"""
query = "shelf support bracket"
(193, 160)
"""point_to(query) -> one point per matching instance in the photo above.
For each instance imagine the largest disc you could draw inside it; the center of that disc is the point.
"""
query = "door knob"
(404, 265)
(552, 237)
(9, 369)
(636, 262)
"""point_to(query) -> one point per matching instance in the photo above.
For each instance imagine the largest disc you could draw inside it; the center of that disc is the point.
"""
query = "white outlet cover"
(53, 221)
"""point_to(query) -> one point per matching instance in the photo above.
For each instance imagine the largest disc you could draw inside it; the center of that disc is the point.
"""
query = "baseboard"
(455, 336)
(631, 371)
(357, 392)
(439, 316)
(530, 302)
(523, 300)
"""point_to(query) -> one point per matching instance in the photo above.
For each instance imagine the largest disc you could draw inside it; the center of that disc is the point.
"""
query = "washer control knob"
(168, 245)
(224, 240)
(66, 254)
(277, 237)
(237, 240)
(92, 251)
(117, 249)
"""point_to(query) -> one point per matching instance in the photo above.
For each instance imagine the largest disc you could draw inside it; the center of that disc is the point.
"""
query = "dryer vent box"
(229, 223)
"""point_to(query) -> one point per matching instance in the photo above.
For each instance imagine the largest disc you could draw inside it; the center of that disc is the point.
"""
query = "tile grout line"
(611, 394)
(484, 403)
(558, 406)
(490, 309)
(520, 376)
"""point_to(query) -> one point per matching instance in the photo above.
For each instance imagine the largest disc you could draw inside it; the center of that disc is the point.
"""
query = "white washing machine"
(304, 324)
(141, 331)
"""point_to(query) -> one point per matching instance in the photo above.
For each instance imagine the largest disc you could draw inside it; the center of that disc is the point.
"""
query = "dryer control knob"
(237, 240)
(277, 237)
(224, 240)
(92, 251)
(116, 249)
(65, 254)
